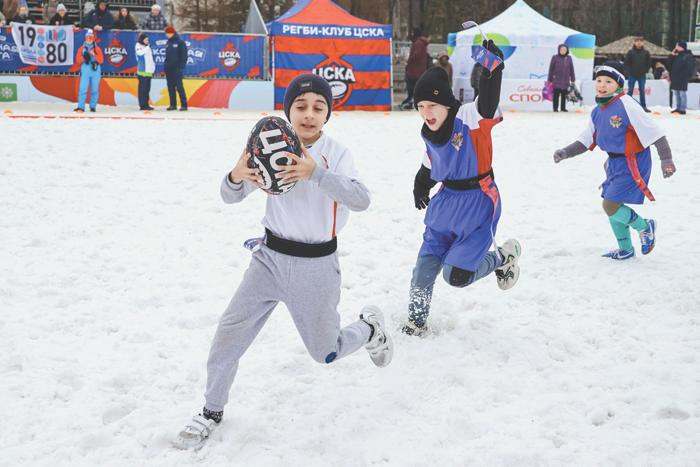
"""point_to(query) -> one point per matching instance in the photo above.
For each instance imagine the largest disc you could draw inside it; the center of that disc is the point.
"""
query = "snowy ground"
(117, 257)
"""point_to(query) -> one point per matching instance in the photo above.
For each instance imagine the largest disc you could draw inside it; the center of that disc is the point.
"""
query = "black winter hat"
(434, 86)
(308, 82)
(142, 38)
(614, 70)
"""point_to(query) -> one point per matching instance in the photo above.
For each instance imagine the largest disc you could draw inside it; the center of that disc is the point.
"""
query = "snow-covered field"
(117, 257)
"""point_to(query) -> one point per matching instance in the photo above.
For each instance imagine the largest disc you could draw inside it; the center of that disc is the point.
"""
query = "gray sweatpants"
(310, 287)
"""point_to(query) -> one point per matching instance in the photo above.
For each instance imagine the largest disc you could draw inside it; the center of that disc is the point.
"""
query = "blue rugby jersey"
(469, 152)
(621, 127)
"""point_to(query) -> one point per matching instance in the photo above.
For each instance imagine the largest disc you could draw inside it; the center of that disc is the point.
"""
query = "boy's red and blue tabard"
(625, 132)
(461, 224)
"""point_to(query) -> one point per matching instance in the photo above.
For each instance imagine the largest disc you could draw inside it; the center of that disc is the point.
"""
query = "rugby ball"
(268, 141)
(338, 88)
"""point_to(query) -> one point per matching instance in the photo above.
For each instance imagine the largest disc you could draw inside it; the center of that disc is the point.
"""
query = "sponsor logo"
(457, 140)
(615, 121)
(527, 94)
(230, 57)
(116, 53)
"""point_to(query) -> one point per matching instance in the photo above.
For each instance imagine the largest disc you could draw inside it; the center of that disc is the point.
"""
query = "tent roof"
(319, 12)
(520, 19)
(624, 45)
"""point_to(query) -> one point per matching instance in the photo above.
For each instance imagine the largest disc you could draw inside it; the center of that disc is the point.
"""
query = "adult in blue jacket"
(99, 19)
(175, 61)
(683, 67)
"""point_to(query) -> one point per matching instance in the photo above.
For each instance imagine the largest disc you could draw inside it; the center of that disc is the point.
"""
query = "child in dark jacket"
(462, 218)
(620, 127)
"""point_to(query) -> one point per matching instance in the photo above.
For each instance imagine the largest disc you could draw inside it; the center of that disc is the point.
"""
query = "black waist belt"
(301, 250)
(613, 155)
(467, 184)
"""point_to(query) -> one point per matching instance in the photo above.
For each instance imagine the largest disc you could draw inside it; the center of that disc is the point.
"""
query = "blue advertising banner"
(210, 55)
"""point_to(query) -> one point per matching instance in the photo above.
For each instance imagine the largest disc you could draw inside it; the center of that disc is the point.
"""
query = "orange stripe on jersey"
(632, 143)
(483, 147)
(593, 145)
(335, 203)
(634, 169)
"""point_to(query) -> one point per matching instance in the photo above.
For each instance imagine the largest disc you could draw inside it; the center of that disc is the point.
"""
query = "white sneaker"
(195, 434)
(509, 271)
(380, 345)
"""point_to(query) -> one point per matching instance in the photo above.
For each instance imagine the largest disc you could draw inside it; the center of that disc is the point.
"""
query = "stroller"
(573, 95)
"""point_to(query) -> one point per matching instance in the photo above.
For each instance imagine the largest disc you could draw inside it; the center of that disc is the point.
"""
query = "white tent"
(528, 40)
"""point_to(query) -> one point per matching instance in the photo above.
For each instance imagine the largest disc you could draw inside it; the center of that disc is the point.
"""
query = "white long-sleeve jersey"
(315, 210)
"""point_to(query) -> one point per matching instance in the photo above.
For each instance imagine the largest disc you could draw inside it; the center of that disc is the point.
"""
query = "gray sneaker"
(380, 345)
(195, 434)
(509, 271)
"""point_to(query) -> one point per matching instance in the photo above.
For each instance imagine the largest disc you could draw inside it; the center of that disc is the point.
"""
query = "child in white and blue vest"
(462, 217)
(620, 127)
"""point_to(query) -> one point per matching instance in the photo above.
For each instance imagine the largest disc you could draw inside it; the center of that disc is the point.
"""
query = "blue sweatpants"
(89, 78)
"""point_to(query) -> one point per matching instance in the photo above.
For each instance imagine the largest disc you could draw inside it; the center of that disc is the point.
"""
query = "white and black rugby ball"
(268, 141)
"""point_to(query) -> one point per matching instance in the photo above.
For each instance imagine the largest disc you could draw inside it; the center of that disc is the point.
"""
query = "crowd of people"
(97, 18)
(681, 68)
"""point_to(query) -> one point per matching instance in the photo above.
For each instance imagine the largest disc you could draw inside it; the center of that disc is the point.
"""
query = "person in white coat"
(146, 68)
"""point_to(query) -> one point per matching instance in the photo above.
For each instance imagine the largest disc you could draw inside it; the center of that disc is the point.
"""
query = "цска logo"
(230, 57)
(116, 53)
(340, 77)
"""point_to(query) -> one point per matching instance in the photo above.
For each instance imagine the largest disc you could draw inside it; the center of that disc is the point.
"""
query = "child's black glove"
(421, 196)
(494, 49)
(86, 55)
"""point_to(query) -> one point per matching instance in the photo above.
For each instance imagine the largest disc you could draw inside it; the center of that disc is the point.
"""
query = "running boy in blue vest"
(620, 127)
(462, 217)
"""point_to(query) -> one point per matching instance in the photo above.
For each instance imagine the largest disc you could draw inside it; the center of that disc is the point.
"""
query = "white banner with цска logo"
(44, 45)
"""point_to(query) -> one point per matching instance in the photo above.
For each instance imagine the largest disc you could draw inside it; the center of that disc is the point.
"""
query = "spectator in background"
(9, 9)
(90, 59)
(561, 75)
(87, 8)
(415, 67)
(443, 61)
(476, 75)
(637, 63)
(124, 20)
(145, 70)
(99, 19)
(175, 61)
(50, 9)
(23, 16)
(155, 21)
(2, 19)
(61, 17)
(683, 68)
